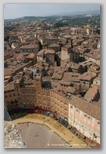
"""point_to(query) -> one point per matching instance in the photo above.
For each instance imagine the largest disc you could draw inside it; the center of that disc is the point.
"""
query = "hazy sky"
(20, 10)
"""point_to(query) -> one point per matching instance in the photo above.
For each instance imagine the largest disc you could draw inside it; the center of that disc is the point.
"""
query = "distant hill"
(25, 19)
(92, 12)
(38, 19)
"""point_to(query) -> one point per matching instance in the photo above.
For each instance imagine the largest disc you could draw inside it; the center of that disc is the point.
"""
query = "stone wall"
(12, 137)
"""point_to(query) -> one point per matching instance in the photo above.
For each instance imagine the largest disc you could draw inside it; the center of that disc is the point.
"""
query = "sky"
(12, 11)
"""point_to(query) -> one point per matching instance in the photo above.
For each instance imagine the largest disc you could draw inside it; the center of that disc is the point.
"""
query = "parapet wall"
(12, 137)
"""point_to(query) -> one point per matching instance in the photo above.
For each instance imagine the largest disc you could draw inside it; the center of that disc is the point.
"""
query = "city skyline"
(12, 11)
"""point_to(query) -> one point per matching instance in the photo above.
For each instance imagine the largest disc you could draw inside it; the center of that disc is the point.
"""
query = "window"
(88, 117)
(99, 122)
(71, 106)
(77, 110)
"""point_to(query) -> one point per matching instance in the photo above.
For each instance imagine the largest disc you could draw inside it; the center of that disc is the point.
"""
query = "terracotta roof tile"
(86, 107)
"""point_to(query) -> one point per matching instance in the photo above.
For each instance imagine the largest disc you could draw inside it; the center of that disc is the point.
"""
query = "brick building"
(77, 112)
(67, 53)
(29, 48)
(86, 80)
(46, 55)
(85, 117)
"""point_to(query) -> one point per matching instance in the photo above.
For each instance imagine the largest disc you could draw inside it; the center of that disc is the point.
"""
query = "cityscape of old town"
(52, 81)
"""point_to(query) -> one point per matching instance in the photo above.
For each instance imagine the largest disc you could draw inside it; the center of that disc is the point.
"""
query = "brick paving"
(40, 136)
(39, 131)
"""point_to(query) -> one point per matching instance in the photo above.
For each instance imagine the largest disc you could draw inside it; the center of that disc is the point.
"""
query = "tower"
(38, 82)
(67, 53)
(17, 85)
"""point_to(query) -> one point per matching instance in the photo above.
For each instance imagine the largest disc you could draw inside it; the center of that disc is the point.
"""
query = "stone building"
(86, 80)
(67, 53)
(46, 55)
(29, 48)
(55, 47)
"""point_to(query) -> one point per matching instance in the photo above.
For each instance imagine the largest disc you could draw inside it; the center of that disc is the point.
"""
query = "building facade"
(78, 113)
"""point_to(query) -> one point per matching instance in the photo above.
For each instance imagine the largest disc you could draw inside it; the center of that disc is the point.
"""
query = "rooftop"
(91, 93)
(19, 56)
(70, 77)
(45, 51)
(29, 46)
(30, 56)
(87, 76)
(7, 71)
(9, 87)
(86, 107)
